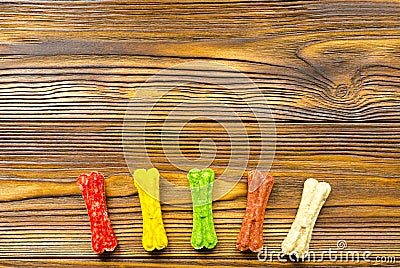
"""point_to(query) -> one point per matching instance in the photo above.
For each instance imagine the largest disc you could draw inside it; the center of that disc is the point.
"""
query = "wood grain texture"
(329, 71)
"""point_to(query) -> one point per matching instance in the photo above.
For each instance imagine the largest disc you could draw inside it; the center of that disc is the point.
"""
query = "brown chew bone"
(251, 233)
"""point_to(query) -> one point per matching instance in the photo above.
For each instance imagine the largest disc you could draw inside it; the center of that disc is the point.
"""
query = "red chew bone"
(251, 233)
(92, 187)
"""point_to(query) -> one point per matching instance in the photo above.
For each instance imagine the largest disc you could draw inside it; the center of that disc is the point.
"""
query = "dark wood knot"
(341, 91)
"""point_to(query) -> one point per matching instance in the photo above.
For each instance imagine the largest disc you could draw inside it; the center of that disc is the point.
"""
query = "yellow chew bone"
(147, 184)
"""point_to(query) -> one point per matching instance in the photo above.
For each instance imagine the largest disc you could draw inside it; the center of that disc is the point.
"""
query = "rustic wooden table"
(329, 70)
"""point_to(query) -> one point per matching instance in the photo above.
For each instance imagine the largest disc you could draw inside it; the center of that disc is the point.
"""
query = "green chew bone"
(201, 185)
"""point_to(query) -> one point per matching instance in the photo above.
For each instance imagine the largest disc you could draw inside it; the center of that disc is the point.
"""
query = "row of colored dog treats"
(203, 233)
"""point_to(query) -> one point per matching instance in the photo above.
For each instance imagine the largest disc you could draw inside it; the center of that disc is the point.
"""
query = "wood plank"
(72, 87)
(358, 160)
(312, 60)
(158, 262)
(191, 20)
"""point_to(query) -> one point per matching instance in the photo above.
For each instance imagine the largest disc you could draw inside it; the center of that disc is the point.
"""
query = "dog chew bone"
(92, 187)
(251, 233)
(201, 185)
(147, 184)
(314, 196)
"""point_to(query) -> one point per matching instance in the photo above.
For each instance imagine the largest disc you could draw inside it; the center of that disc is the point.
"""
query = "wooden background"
(330, 71)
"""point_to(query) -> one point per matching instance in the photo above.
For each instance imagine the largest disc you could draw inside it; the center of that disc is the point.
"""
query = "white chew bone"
(314, 196)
